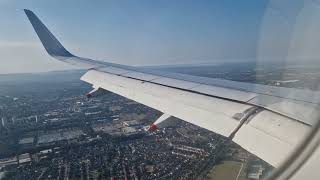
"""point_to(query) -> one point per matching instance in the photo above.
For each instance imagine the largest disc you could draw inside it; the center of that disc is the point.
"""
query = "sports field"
(227, 170)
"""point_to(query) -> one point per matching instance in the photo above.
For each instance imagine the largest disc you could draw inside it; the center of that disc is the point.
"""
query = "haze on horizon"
(161, 32)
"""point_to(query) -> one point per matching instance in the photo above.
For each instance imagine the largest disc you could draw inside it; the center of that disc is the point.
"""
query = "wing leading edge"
(256, 117)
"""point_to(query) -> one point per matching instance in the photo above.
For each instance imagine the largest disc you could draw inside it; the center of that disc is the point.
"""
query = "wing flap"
(271, 137)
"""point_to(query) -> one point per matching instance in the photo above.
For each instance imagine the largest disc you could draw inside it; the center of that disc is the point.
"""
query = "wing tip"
(28, 12)
(49, 41)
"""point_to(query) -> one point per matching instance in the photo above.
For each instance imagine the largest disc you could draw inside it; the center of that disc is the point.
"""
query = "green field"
(227, 170)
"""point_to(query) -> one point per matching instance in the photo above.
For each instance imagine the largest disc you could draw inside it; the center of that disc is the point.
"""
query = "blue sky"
(138, 32)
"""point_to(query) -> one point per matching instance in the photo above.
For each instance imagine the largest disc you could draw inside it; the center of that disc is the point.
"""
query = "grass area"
(227, 170)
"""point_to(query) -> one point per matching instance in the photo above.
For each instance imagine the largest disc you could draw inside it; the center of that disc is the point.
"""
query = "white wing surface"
(267, 121)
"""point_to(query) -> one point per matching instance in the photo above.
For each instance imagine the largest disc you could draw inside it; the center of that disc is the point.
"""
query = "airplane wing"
(265, 120)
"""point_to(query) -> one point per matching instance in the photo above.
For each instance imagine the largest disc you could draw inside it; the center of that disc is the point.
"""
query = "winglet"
(50, 43)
